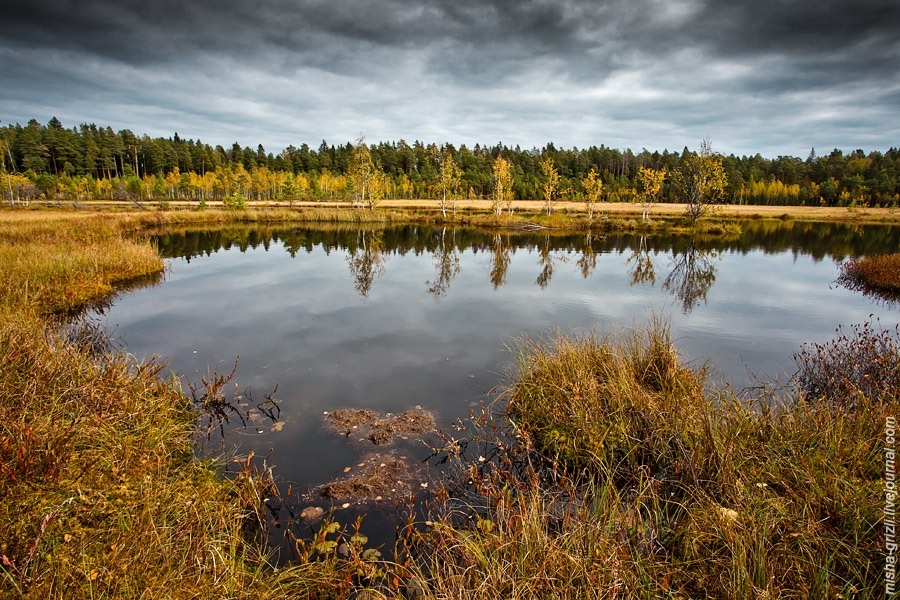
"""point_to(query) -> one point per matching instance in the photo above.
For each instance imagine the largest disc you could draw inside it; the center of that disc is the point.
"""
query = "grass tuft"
(877, 276)
(641, 483)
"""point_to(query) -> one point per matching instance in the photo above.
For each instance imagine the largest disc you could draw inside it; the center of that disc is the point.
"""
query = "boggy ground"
(615, 471)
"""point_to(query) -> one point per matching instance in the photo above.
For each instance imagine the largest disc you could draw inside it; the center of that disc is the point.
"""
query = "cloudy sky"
(769, 76)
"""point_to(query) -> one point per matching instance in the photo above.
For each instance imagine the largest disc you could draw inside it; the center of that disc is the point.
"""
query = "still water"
(389, 319)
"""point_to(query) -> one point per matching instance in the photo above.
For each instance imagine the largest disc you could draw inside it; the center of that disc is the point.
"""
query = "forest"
(54, 163)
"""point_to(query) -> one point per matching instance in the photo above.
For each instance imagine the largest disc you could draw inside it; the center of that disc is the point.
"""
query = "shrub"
(235, 202)
(862, 363)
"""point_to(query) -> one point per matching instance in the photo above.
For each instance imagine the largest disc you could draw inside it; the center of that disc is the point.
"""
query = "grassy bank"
(630, 479)
(619, 474)
(102, 496)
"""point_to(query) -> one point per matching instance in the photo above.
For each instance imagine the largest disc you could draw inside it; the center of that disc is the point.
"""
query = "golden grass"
(727, 498)
(102, 497)
(641, 482)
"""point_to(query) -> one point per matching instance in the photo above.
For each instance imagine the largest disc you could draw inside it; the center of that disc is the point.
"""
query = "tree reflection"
(693, 273)
(545, 260)
(446, 262)
(500, 259)
(640, 265)
(366, 260)
(587, 262)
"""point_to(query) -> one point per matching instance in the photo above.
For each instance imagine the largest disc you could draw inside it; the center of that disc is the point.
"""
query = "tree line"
(94, 162)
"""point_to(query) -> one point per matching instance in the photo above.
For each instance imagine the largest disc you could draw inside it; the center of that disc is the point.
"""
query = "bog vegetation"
(877, 275)
(94, 162)
(606, 468)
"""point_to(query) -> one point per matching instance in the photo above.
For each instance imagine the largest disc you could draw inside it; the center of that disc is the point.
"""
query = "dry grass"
(639, 483)
(622, 476)
(102, 496)
(877, 276)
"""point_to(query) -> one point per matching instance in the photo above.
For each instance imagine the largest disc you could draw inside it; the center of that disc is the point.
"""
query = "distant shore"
(602, 209)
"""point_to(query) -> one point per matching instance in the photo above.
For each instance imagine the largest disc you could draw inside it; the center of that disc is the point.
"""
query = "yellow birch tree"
(701, 180)
(593, 187)
(648, 187)
(550, 185)
(502, 185)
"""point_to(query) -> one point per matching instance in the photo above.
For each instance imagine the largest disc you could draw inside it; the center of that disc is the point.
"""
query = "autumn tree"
(379, 187)
(503, 185)
(4, 150)
(360, 170)
(449, 178)
(648, 187)
(550, 185)
(593, 187)
(701, 179)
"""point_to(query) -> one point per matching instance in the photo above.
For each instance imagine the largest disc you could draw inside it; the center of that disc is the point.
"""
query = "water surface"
(389, 319)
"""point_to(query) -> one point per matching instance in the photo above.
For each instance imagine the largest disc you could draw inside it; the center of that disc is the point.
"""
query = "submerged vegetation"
(609, 469)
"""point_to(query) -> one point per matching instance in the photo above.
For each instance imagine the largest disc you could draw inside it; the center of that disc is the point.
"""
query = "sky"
(775, 77)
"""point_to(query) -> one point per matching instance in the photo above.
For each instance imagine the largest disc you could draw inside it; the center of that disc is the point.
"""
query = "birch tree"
(450, 178)
(701, 179)
(360, 171)
(648, 187)
(593, 187)
(550, 185)
(503, 184)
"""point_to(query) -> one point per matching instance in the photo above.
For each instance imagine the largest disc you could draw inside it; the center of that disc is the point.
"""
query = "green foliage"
(235, 202)
(71, 164)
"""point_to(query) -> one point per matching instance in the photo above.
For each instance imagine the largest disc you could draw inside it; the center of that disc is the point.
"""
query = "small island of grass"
(877, 275)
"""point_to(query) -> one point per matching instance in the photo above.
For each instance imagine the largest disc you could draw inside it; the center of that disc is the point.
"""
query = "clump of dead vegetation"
(379, 429)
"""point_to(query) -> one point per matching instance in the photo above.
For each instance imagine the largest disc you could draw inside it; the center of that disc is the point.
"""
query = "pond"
(404, 317)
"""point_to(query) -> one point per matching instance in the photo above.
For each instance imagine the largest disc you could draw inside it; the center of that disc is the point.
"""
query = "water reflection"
(587, 262)
(446, 262)
(500, 260)
(640, 265)
(366, 260)
(691, 273)
(390, 318)
(688, 275)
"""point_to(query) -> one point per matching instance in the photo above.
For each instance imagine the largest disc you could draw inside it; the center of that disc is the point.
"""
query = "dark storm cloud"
(770, 75)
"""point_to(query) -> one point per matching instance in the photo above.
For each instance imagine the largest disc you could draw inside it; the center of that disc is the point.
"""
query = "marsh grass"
(640, 482)
(613, 472)
(102, 494)
(877, 276)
